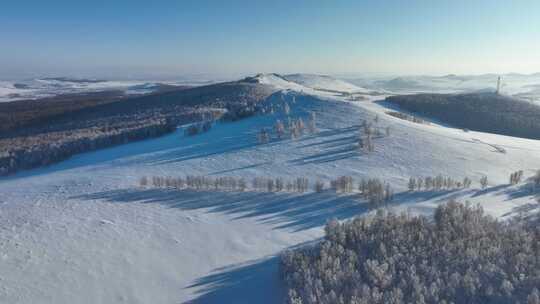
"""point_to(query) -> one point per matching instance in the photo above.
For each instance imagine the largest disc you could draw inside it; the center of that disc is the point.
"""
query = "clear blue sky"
(141, 38)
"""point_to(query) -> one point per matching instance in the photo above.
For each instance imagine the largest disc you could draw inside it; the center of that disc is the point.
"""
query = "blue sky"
(118, 39)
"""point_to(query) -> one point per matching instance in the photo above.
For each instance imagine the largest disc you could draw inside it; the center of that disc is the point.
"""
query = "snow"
(83, 231)
(323, 82)
(48, 87)
(519, 85)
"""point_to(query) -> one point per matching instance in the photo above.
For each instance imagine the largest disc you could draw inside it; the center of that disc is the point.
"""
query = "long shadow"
(252, 282)
(240, 168)
(524, 190)
(344, 152)
(437, 196)
(527, 211)
(490, 190)
(282, 210)
(255, 281)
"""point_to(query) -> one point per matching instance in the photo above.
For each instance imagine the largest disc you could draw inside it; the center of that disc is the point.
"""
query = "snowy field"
(48, 87)
(84, 231)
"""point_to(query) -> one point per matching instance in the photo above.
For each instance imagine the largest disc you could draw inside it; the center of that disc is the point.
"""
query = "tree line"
(486, 112)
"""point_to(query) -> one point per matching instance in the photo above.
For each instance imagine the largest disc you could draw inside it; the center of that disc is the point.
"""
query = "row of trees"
(373, 190)
(406, 117)
(437, 183)
(461, 256)
(228, 183)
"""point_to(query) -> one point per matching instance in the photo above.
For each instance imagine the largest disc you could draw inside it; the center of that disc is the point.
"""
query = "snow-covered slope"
(83, 231)
(323, 82)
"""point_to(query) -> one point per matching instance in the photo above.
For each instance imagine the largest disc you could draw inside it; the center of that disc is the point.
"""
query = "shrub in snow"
(459, 256)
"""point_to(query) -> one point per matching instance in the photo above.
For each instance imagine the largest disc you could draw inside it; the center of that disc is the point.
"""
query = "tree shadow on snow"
(282, 210)
(255, 281)
(252, 282)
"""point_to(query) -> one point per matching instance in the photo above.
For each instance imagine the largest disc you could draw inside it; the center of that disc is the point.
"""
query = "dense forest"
(40, 132)
(459, 256)
(486, 112)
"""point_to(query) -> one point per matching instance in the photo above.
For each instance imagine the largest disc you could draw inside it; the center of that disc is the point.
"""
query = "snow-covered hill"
(519, 85)
(323, 82)
(84, 231)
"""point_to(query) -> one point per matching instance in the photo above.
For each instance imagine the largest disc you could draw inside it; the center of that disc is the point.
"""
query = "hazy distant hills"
(38, 88)
(512, 84)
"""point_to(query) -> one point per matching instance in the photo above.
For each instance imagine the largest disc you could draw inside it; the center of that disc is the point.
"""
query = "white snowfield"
(84, 231)
(48, 87)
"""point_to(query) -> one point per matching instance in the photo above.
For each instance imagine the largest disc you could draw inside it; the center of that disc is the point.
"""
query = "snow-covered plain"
(83, 231)
(48, 87)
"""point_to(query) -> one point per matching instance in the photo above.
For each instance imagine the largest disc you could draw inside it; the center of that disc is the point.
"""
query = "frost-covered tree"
(483, 182)
(319, 186)
(460, 256)
(419, 183)
(515, 177)
(412, 184)
(143, 182)
(536, 180)
(312, 127)
(467, 182)
(286, 108)
(279, 128)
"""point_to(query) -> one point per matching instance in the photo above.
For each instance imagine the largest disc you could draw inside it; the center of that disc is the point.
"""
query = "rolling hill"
(84, 230)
